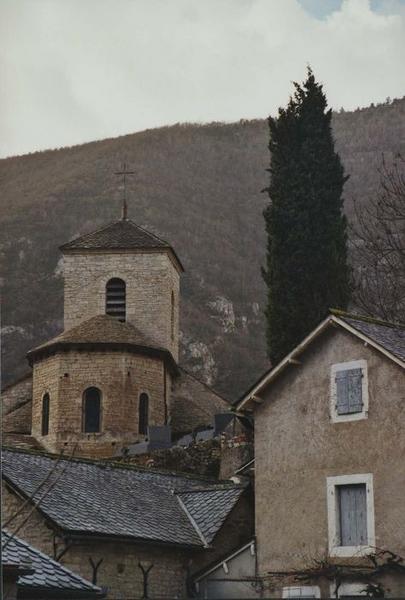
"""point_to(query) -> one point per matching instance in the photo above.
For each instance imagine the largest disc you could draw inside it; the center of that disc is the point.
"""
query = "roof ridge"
(373, 320)
(103, 463)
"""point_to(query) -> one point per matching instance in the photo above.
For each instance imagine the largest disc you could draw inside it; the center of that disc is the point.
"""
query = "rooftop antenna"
(124, 172)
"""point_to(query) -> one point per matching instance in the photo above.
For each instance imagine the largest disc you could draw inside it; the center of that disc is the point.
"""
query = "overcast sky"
(79, 70)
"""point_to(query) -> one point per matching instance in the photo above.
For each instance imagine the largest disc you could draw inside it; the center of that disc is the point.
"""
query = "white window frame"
(346, 366)
(333, 515)
(309, 590)
(348, 589)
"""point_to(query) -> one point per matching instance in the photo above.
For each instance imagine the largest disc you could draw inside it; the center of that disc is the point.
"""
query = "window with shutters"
(92, 410)
(350, 514)
(143, 417)
(45, 415)
(349, 391)
(115, 299)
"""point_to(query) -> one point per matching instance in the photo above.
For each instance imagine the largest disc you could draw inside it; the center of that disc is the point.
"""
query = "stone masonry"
(150, 276)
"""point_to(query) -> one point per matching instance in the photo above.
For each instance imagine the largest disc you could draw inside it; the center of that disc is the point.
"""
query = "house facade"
(329, 463)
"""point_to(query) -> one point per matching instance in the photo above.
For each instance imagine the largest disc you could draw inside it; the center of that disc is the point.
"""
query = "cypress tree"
(307, 271)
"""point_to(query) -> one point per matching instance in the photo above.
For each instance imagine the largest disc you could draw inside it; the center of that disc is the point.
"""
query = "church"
(113, 373)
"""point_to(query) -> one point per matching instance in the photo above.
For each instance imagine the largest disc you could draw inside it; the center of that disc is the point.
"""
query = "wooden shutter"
(116, 299)
(353, 514)
(349, 391)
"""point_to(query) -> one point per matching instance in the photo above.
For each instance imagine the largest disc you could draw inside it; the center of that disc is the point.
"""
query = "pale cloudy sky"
(79, 70)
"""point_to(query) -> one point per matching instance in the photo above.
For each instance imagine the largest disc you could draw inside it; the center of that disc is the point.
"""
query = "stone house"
(113, 372)
(32, 575)
(120, 526)
(329, 463)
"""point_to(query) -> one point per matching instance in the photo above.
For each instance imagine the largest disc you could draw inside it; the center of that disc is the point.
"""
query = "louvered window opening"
(92, 410)
(349, 384)
(352, 501)
(45, 415)
(116, 299)
(143, 418)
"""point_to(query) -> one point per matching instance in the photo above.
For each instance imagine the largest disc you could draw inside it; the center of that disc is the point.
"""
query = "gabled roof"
(94, 498)
(120, 235)
(387, 338)
(101, 331)
(48, 575)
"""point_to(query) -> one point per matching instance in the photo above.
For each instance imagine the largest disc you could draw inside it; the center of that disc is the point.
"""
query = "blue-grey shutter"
(353, 515)
(349, 391)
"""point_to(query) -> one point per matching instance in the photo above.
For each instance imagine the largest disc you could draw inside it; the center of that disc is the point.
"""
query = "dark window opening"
(45, 415)
(92, 410)
(172, 317)
(115, 299)
(143, 421)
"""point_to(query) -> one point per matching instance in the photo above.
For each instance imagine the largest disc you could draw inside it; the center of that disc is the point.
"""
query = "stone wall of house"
(120, 376)
(119, 570)
(151, 278)
(297, 447)
(16, 394)
(193, 404)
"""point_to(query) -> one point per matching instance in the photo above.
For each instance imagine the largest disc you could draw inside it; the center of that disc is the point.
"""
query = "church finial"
(124, 173)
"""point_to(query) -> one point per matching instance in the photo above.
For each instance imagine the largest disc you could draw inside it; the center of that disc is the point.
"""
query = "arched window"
(45, 415)
(115, 301)
(91, 410)
(143, 421)
(172, 317)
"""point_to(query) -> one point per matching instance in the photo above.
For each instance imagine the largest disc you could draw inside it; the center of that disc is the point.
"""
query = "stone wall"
(18, 420)
(297, 447)
(151, 277)
(119, 570)
(193, 404)
(120, 376)
(16, 394)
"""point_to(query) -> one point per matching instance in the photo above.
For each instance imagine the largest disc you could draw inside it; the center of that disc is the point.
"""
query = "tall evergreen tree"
(307, 271)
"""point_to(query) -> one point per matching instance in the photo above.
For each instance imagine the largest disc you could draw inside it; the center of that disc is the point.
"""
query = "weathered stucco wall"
(150, 278)
(297, 447)
(120, 376)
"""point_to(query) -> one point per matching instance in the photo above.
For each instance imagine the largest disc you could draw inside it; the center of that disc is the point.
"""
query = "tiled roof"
(209, 509)
(48, 574)
(106, 499)
(122, 234)
(101, 330)
(390, 336)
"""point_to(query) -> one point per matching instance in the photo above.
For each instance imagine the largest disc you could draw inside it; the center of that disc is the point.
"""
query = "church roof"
(87, 497)
(120, 235)
(102, 332)
(44, 574)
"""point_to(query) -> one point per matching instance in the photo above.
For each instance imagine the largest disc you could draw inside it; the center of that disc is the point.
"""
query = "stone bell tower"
(124, 271)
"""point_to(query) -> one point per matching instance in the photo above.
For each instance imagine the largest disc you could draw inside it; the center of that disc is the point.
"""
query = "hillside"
(199, 187)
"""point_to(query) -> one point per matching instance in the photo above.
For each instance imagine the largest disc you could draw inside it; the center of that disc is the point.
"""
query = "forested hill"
(197, 186)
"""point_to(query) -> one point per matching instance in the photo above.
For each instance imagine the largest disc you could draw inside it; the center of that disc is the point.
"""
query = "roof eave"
(252, 396)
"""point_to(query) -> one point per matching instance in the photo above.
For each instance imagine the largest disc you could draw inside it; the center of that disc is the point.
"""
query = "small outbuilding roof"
(387, 338)
(120, 235)
(87, 498)
(45, 575)
(102, 331)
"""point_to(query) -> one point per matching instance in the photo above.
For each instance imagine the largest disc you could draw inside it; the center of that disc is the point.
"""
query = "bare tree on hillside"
(379, 247)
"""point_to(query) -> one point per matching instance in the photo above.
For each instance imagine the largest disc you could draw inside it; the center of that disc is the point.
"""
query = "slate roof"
(120, 235)
(122, 501)
(209, 509)
(388, 335)
(48, 575)
(101, 330)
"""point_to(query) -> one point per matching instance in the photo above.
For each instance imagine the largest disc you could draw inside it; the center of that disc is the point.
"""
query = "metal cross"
(124, 172)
